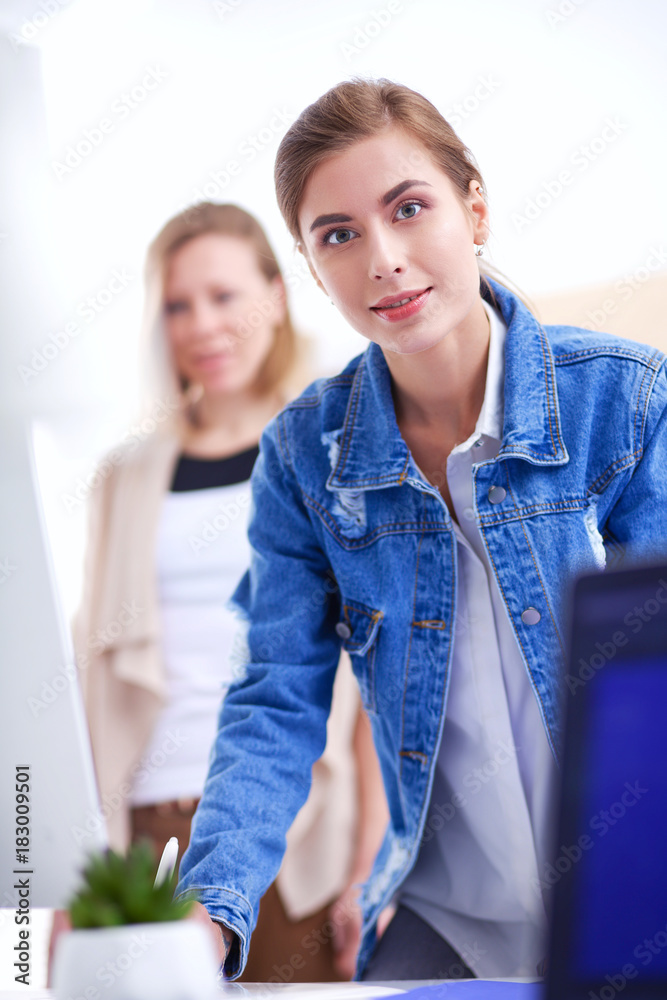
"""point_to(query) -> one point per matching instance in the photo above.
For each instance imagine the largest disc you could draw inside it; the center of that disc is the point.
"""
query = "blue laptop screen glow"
(621, 891)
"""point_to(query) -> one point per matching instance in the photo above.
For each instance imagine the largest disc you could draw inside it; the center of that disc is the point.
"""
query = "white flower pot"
(174, 960)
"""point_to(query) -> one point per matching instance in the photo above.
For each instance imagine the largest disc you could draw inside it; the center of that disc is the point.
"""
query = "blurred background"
(115, 115)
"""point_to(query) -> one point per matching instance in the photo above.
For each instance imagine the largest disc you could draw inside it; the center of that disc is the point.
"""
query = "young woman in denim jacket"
(425, 509)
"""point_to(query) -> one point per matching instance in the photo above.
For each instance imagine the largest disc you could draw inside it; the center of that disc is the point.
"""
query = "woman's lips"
(401, 305)
(211, 361)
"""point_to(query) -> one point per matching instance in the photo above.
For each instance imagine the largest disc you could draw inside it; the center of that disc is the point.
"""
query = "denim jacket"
(352, 545)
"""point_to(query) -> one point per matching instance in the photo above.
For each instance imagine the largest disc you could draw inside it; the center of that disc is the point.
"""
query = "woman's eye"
(223, 296)
(408, 210)
(338, 236)
(172, 308)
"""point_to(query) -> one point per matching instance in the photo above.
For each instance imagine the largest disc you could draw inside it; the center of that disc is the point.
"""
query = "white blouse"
(486, 835)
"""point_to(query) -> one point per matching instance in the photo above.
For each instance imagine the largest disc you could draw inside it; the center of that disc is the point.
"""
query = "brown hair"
(225, 220)
(358, 109)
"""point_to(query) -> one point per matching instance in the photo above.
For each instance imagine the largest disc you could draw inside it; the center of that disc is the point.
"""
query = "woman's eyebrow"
(386, 199)
(326, 220)
(395, 192)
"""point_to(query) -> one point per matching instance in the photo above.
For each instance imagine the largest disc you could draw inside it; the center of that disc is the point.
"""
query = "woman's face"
(220, 312)
(382, 224)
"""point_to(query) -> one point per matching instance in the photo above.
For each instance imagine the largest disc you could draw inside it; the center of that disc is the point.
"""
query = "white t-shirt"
(487, 831)
(202, 552)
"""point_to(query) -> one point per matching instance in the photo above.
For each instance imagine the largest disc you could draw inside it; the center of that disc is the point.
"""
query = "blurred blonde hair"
(282, 369)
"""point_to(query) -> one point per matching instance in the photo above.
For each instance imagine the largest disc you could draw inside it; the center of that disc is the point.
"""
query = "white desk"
(288, 991)
(265, 991)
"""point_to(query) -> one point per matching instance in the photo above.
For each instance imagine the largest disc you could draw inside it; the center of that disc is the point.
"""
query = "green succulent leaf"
(119, 890)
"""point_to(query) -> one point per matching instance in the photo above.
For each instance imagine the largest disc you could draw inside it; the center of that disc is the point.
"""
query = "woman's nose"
(204, 320)
(386, 254)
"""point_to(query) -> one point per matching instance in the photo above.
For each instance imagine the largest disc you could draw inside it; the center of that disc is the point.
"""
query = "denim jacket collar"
(372, 452)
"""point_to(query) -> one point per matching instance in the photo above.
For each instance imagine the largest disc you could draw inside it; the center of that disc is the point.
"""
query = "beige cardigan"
(116, 636)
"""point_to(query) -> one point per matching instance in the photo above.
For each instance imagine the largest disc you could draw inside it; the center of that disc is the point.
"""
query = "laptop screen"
(609, 918)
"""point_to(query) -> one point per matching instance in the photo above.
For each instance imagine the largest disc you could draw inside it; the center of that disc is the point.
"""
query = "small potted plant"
(129, 939)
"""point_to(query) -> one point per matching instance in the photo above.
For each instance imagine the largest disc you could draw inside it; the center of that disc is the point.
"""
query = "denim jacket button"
(497, 494)
(343, 630)
(530, 616)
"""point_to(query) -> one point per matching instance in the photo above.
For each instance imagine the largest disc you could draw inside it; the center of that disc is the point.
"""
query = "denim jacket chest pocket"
(359, 628)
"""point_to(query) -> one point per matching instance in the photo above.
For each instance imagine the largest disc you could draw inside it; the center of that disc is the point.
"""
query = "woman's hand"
(372, 819)
(347, 919)
(221, 937)
(345, 915)
(385, 919)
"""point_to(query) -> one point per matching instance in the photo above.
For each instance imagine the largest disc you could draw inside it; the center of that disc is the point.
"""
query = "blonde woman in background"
(168, 533)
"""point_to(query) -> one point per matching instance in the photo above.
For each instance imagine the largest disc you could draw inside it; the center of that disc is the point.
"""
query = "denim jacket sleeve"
(272, 726)
(637, 523)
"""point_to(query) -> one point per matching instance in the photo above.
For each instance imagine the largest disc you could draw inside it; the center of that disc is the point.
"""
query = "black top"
(204, 473)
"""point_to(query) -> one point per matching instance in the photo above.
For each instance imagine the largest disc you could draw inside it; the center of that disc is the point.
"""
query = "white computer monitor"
(45, 743)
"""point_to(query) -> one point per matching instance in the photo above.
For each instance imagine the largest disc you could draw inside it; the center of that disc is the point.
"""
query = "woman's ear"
(479, 211)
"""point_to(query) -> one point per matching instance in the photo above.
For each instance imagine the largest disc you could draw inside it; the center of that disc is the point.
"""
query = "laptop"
(608, 877)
